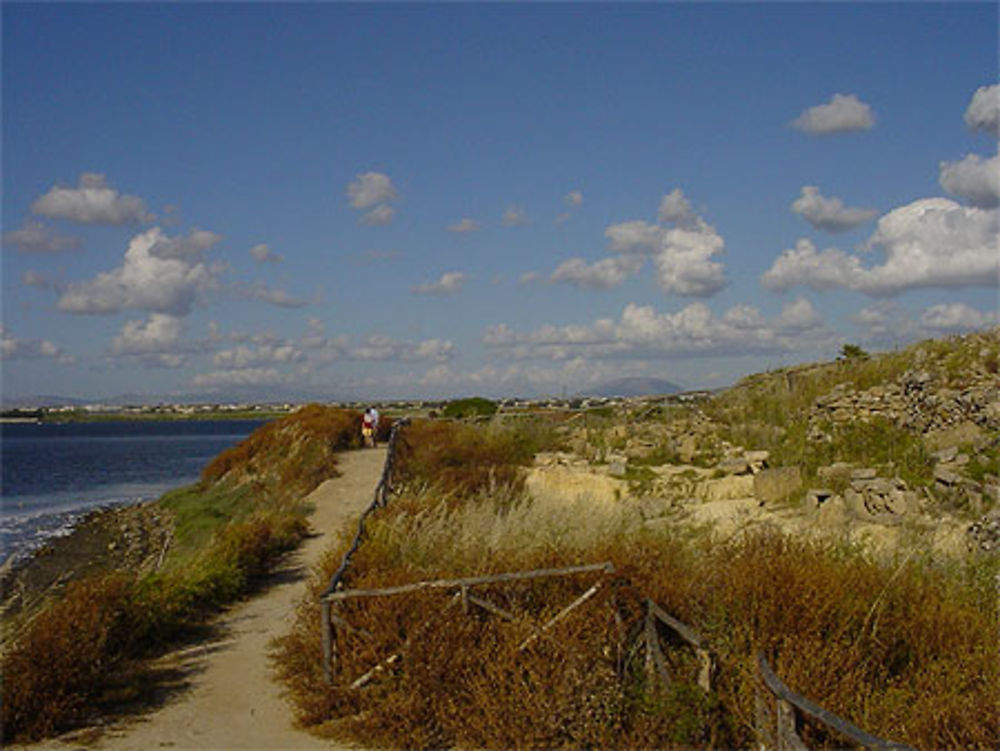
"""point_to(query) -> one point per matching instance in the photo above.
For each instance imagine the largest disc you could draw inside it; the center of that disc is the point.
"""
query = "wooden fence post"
(327, 627)
(788, 735)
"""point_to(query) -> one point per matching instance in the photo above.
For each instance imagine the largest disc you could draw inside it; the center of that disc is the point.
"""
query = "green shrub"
(473, 407)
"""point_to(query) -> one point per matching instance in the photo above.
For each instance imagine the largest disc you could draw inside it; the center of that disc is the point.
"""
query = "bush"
(907, 651)
(473, 407)
(54, 671)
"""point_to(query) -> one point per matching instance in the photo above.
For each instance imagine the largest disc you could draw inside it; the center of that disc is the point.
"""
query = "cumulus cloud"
(372, 192)
(683, 254)
(272, 296)
(956, 317)
(634, 237)
(932, 242)
(829, 214)
(886, 323)
(842, 114)
(13, 348)
(240, 377)
(92, 201)
(514, 216)
(465, 225)
(974, 178)
(242, 357)
(604, 274)
(379, 216)
(641, 331)
(159, 274)
(983, 112)
(156, 341)
(380, 347)
(371, 188)
(36, 237)
(684, 265)
(262, 253)
(675, 207)
(574, 199)
(449, 283)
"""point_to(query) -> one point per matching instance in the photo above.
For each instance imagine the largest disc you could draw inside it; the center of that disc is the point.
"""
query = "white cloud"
(449, 283)
(829, 214)
(641, 331)
(844, 113)
(574, 199)
(932, 242)
(885, 323)
(804, 265)
(278, 297)
(158, 274)
(634, 237)
(983, 112)
(381, 348)
(682, 254)
(243, 357)
(675, 208)
(684, 266)
(92, 201)
(974, 178)
(221, 379)
(262, 253)
(955, 317)
(32, 278)
(160, 332)
(156, 342)
(379, 216)
(604, 274)
(514, 216)
(369, 189)
(12, 348)
(465, 225)
(36, 237)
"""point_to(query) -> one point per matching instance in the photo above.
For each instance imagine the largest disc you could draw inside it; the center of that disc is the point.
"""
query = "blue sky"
(373, 200)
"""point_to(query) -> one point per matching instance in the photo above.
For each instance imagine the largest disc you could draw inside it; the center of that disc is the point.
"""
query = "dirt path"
(232, 701)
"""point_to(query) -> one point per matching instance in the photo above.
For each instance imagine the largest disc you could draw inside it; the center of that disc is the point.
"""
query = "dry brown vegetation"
(907, 649)
(87, 646)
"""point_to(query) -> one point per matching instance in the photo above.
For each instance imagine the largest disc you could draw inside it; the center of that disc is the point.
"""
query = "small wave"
(23, 535)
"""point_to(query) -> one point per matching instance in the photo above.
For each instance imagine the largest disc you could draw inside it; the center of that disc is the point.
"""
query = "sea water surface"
(51, 475)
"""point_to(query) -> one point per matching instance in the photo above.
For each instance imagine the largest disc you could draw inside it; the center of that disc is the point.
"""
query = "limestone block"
(775, 484)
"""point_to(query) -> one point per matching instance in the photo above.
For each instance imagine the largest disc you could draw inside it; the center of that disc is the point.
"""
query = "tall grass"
(907, 651)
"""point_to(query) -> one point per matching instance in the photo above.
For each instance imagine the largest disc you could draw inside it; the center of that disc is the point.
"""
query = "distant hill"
(635, 387)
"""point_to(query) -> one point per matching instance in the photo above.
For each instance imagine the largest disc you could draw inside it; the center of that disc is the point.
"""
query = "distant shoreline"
(55, 418)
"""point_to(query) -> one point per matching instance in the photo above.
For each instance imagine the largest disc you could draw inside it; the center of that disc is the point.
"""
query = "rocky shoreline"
(134, 538)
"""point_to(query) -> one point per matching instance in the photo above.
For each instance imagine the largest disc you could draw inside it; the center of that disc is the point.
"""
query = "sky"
(375, 201)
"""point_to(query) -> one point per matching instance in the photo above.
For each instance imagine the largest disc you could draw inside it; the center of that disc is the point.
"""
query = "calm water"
(51, 475)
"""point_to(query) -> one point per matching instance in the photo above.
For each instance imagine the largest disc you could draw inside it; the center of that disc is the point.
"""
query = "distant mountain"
(635, 387)
(41, 400)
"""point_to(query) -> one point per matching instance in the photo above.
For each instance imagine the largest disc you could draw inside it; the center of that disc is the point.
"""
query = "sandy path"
(233, 701)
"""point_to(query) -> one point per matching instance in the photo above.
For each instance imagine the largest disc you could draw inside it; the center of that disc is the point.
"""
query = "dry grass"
(909, 652)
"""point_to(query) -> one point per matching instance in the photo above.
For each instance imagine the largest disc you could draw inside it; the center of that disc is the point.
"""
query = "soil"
(223, 693)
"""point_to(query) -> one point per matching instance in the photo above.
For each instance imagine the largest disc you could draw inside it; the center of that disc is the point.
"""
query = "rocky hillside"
(871, 440)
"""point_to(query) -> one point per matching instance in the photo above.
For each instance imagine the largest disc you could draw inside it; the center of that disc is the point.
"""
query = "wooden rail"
(786, 736)
(382, 491)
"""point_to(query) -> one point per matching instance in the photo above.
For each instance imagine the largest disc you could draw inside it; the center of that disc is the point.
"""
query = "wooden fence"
(777, 714)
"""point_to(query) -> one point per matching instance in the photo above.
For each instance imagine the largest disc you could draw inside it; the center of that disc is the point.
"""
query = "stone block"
(776, 484)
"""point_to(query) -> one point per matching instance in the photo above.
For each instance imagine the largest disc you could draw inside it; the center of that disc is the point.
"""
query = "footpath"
(231, 699)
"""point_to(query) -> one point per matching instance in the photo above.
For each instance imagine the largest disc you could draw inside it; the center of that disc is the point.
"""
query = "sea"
(54, 474)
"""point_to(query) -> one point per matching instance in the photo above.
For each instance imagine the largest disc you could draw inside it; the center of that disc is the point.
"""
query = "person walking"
(369, 426)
